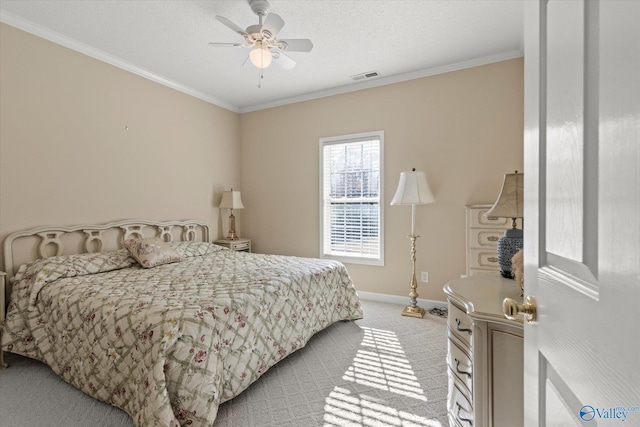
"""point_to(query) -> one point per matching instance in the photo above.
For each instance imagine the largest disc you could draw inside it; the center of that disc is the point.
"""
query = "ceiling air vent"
(367, 75)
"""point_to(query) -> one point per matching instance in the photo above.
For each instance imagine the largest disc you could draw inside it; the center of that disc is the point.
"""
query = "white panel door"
(582, 212)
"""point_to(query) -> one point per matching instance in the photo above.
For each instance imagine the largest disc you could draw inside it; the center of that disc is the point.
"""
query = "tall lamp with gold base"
(231, 200)
(413, 190)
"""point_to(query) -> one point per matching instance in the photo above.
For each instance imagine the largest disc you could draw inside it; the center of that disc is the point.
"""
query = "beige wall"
(66, 158)
(464, 129)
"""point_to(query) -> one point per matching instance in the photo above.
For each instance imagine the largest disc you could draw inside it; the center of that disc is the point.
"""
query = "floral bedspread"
(170, 343)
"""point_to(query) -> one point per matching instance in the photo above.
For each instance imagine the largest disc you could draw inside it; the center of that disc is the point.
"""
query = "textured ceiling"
(167, 41)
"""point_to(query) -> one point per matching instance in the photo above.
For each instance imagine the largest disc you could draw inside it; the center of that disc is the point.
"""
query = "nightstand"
(2, 314)
(239, 245)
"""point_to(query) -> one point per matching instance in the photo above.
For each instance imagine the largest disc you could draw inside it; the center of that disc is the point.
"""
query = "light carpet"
(383, 370)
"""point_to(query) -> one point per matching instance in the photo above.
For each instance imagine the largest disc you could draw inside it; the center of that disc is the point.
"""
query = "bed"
(166, 340)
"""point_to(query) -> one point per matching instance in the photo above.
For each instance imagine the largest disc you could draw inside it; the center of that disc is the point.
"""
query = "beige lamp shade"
(231, 200)
(413, 189)
(510, 201)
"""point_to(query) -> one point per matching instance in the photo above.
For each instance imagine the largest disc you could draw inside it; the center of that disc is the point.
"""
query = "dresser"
(482, 239)
(485, 353)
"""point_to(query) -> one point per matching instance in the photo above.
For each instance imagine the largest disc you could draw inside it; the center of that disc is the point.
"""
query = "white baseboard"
(427, 304)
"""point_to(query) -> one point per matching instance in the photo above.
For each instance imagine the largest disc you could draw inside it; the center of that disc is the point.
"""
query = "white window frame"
(345, 258)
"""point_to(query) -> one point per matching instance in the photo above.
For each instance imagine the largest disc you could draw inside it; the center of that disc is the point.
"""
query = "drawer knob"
(512, 309)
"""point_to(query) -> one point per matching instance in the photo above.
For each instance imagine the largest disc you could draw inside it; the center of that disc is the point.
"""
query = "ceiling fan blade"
(231, 25)
(283, 61)
(295, 45)
(226, 44)
(273, 24)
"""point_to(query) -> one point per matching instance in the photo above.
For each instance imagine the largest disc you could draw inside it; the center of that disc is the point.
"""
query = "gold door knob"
(511, 309)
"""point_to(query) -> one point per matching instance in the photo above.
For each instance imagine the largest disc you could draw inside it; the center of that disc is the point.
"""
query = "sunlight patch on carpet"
(344, 409)
(381, 364)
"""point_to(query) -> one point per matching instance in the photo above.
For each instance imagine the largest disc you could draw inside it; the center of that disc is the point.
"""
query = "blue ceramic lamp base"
(508, 246)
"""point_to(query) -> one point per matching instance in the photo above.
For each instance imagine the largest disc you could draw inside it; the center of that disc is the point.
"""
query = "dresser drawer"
(460, 324)
(460, 365)
(480, 238)
(241, 246)
(477, 219)
(460, 409)
(484, 258)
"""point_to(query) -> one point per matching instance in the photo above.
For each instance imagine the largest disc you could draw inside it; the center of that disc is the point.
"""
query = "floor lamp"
(413, 190)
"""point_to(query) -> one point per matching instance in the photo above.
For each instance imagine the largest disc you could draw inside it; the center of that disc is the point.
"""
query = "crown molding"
(52, 36)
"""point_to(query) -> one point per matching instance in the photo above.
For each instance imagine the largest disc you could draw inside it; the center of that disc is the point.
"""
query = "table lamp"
(509, 205)
(231, 200)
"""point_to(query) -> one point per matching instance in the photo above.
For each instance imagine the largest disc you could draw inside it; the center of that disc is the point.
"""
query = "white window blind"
(351, 192)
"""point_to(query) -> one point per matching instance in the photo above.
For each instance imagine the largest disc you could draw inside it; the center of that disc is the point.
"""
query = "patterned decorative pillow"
(151, 251)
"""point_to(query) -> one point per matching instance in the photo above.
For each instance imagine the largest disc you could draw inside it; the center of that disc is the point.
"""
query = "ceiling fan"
(262, 38)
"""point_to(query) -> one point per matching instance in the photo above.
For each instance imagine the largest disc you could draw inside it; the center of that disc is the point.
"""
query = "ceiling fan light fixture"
(260, 57)
(263, 37)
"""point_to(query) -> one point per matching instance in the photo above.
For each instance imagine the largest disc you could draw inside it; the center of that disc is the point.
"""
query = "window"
(351, 220)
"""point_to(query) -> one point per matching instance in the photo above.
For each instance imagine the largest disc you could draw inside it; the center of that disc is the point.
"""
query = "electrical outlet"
(424, 277)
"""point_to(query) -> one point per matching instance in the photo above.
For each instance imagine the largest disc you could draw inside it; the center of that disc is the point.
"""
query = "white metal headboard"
(95, 238)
